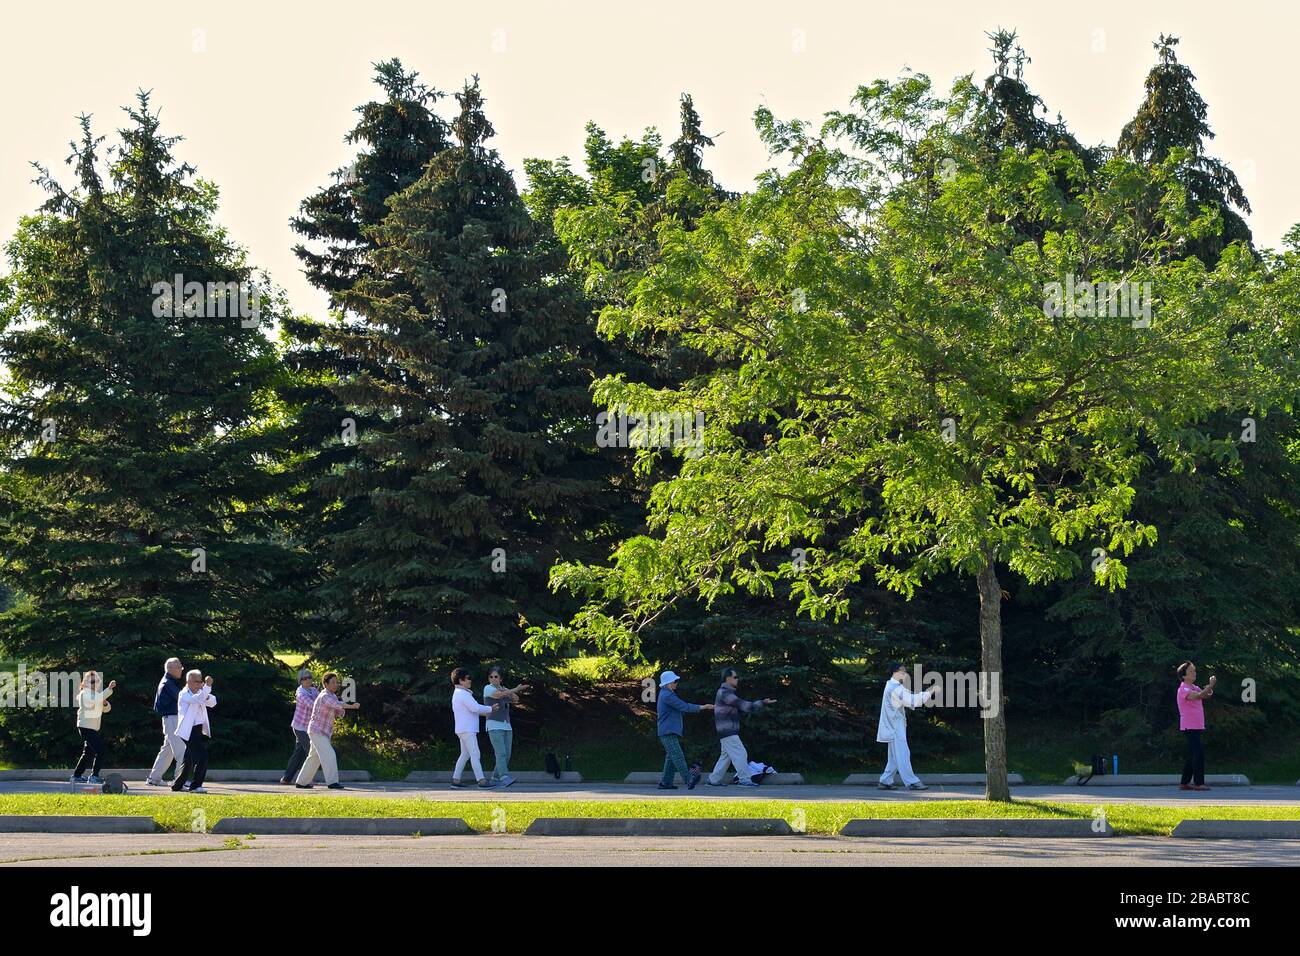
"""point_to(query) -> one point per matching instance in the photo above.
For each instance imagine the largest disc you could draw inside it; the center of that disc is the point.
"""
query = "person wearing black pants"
(1191, 721)
(196, 762)
(1194, 765)
(303, 700)
(92, 752)
(92, 705)
(194, 727)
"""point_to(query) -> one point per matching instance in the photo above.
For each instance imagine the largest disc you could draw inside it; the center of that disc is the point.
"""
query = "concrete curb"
(344, 826)
(139, 775)
(1238, 830)
(934, 827)
(665, 827)
(934, 779)
(522, 776)
(770, 779)
(35, 823)
(1160, 780)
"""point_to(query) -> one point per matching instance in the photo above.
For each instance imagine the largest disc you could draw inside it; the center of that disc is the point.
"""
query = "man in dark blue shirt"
(164, 705)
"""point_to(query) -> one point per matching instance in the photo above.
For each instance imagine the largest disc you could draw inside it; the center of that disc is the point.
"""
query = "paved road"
(1263, 795)
(178, 849)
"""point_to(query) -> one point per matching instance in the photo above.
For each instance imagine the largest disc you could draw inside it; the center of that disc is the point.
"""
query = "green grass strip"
(178, 813)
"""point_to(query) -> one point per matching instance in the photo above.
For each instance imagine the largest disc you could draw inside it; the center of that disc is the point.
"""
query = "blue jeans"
(502, 741)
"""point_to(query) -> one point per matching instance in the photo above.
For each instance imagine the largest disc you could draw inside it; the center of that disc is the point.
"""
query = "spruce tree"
(395, 137)
(141, 446)
(1173, 117)
(473, 467)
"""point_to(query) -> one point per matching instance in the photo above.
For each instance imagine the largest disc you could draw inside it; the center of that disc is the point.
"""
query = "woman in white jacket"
(467, 711)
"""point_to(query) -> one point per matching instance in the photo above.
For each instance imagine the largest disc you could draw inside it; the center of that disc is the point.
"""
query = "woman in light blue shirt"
(498, 725)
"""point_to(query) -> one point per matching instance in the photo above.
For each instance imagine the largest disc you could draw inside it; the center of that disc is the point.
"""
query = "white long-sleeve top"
(192, 708)
(90, 707)
(467, 711)
(893, 711)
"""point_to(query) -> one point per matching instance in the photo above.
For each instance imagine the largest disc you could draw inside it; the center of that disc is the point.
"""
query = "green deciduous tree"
(924, 409)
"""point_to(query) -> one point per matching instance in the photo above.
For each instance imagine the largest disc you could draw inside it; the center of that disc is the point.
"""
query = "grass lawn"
(175, 813)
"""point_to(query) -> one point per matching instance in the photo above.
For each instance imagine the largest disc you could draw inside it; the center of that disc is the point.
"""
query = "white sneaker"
(155, 783)
(196, 790)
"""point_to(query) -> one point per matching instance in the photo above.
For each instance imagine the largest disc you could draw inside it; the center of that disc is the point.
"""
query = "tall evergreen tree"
(473, 467)
(395, 137)
(1173, 117)
(139, 431)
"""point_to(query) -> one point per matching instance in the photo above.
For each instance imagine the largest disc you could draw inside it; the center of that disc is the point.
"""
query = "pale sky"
(264, 92)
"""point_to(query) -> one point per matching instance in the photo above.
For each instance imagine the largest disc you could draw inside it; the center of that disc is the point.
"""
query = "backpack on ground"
(1098, 769)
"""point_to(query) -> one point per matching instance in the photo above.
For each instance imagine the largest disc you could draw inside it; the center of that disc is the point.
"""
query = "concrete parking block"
(1238, 829)
(961, 827)
(49, 823)
(344, 826)
(665, 827)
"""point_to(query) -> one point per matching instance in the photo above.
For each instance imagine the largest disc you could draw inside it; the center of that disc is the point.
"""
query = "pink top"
(1191, 713)
(303, 699)
(323, 712)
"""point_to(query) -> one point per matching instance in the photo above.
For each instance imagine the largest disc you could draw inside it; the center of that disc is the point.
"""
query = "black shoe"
(917, 786)
(885, 786)
(667, 786)
(695, 780)
(304, 786)
(336, 786)
(285, 781)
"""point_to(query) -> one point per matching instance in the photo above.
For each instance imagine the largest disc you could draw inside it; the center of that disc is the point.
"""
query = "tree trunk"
(995, 726)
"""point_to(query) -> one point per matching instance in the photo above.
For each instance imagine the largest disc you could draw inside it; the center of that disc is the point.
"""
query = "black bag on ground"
(1098, 769)
(553, 765)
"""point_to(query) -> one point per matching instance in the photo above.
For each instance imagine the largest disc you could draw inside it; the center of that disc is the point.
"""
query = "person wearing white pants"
(466, 712)
(320, 730)
(164, 705)
(893, 728)
(727, 708)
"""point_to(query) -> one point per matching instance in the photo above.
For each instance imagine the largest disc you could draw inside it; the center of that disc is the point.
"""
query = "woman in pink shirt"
(1191, 721)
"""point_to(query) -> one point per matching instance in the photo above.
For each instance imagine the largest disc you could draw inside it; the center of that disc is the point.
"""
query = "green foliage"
(132, 434)
(889, 392)
(461, 356)
(1172, 120)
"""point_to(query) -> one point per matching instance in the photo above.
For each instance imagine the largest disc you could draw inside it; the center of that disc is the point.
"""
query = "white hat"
(666, 678)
